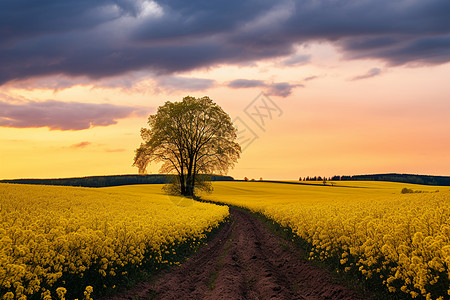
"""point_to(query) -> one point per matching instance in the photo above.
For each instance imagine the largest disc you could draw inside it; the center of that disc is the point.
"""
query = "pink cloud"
(58, 115)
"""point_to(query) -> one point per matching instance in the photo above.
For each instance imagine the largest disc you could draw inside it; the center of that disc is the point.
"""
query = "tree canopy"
(191, 137)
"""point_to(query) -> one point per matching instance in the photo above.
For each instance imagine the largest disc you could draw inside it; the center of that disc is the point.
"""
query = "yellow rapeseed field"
(371, 228)
(48, 232)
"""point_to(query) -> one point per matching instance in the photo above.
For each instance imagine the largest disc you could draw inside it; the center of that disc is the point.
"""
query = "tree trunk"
(182, 184)
(190, 179)
(190, 184)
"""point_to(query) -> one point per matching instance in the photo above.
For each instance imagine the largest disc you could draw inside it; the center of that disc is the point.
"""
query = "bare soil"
(243, 261)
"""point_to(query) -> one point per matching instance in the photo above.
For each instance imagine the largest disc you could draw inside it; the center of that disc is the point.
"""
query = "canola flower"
(403, 240)
(47, 232)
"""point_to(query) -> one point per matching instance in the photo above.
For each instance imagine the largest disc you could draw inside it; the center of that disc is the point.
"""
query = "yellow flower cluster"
(47, 232)
(403, 240)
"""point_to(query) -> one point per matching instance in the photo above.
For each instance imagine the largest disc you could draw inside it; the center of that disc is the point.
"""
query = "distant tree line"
(112, 180)
(316, 178)
(393, 177)
(253, 179)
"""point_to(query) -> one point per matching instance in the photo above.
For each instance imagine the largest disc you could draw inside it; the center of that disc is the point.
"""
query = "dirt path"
(244, 261)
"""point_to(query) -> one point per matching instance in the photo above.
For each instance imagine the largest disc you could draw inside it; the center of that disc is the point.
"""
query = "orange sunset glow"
(360, 95)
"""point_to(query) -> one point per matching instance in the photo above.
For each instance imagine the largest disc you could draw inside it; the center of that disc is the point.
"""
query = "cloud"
(30, 19)
(128, 81)
(61, 82)
(80, 145)
(246, 83)
(173, 83)
(57, 115)
(371, 73)
(295, 60)
(107, 38)
(282, 89)
(309, 78)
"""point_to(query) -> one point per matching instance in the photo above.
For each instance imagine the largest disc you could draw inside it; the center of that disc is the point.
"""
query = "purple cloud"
(57, 115)
(371, 73)
(309, 78)
(282, 89)
(246, 83)
(295, 60)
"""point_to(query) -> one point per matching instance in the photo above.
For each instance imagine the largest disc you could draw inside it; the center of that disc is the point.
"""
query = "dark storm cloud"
(200, 18)
(27, 19)
(57, 115)
(108, 38)
(431, 47)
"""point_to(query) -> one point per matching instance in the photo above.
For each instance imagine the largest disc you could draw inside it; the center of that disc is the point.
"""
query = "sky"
(314, 87)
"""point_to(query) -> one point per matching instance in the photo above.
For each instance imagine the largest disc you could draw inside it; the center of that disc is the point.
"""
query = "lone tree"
(191, 138)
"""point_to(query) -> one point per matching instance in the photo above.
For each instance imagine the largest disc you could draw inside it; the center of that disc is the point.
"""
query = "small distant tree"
(190, 137)
(246, 178)
(407, 191)
(260, 179)
(324, 181)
